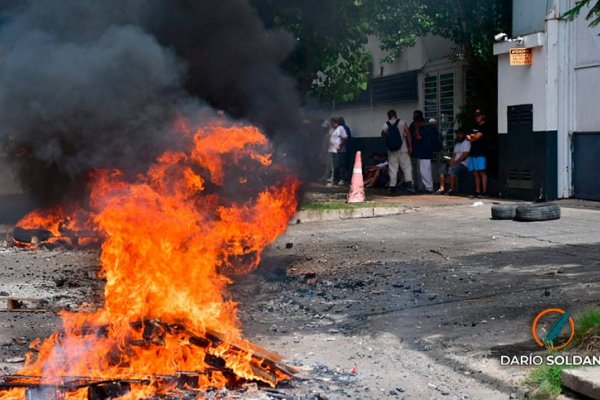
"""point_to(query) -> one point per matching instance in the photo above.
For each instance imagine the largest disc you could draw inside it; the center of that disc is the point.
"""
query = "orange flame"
(51, 219)
(169, 236)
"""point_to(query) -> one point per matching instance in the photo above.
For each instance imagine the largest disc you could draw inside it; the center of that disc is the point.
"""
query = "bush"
(587, 331)
(546, 380)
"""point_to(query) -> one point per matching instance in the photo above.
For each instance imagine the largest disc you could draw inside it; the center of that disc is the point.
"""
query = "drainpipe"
(560, 92)
(566, 106)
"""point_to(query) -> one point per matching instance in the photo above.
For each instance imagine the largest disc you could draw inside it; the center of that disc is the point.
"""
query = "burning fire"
(57, 225)
(170, 235)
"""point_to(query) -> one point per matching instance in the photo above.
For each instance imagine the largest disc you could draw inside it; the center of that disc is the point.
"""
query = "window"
(439, 104)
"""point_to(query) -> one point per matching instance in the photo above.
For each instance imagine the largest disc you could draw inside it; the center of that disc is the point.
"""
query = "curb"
(582, 380)
(346, 213)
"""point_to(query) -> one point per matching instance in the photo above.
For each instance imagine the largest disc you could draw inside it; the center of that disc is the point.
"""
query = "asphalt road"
(425, 301)
(418, 305)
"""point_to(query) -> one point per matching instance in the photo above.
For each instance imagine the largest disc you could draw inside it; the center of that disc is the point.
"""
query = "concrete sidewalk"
(378, 203)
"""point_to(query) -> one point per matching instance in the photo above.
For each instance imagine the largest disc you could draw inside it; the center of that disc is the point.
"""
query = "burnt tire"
(504, 211)
(31, 235)
(537, 212)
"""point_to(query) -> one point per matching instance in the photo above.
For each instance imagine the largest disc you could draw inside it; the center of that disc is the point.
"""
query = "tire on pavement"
(504, 211)
(537, 212)
(31, 235)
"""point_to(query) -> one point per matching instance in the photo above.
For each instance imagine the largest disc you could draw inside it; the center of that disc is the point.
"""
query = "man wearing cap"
(477, 160)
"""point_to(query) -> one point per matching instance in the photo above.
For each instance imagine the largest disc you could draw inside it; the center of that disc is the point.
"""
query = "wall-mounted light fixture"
(503, 37)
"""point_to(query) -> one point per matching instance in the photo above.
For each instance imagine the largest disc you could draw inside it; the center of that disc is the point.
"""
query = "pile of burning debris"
(264, 364)
(55, 227)
(166, 328)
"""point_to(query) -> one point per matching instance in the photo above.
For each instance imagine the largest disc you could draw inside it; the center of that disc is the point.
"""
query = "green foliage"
(315, 205)
(398, 25)
(329, 59)
(587, 325)
(546, 378)
(546, 381)
(593, 13)
(346, 77)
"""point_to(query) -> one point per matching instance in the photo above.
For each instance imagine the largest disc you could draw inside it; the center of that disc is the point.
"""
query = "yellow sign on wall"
(520, 56)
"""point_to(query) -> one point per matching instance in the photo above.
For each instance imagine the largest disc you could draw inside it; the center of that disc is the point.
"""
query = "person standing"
(336, 143)
(424, 135)
(398, 142)
(477, 160)
(324, 155)
(348, 152)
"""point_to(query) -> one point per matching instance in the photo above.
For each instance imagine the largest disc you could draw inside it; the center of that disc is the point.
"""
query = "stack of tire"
(526, 212)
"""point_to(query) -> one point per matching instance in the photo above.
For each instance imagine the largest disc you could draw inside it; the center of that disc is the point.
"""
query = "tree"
(322, 42)
(330, 60)
(471, 24)
(593, 13)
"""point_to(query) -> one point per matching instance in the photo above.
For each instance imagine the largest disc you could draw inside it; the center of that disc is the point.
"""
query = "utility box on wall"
(527, 158)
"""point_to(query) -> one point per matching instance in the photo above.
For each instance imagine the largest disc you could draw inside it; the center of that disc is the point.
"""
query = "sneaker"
(440, 191)
(449, 192)
(341, 182)
(409, 187)
(391, 190)
(329, 184)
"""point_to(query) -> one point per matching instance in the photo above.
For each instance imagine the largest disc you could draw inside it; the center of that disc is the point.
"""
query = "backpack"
(393, 139)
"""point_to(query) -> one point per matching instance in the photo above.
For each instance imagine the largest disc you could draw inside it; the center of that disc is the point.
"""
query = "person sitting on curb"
(377, 175)
(457, 165)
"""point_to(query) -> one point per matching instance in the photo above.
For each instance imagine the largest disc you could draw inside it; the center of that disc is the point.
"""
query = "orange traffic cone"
(357, 189)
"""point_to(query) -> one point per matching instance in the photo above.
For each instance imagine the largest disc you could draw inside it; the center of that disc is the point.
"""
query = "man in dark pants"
(423, 135)
(337, 138)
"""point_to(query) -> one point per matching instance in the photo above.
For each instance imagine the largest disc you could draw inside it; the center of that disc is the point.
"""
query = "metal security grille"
(586, 174)
(520, 129)
(446, 117)
(431, 96)
(439, 104)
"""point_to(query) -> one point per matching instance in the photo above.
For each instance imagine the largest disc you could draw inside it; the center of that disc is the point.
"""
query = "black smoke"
(88, 84)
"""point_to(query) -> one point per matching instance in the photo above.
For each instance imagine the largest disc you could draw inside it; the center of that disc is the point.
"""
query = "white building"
(548, 110)
(429, 76)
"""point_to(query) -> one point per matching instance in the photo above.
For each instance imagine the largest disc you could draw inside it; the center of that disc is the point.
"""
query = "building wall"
(528, 16)
(563, 88)
(523, 84)
(424, 51)
(368, 121)
(587, 76)
(586, 130)
(429, 55)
